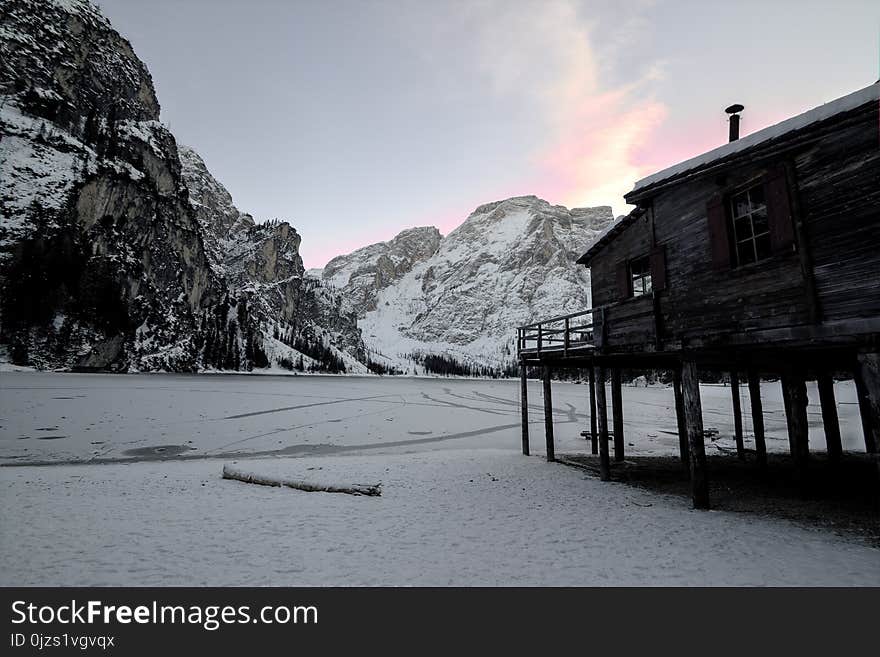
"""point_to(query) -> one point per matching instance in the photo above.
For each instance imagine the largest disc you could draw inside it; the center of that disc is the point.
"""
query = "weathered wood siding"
(627, 321)
(702, 301)
(834, 186)
(839, 191)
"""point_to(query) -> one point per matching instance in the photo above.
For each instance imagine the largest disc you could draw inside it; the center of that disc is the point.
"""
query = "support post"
(524, 406)
(737, 416)
(693, 411)
(758, 418)
(794, 397)
(683, 449)
(602, 417)
(867, 377)
(565, 338)
(830, 421)
(548, 415)
(594, 433)
(617, 413)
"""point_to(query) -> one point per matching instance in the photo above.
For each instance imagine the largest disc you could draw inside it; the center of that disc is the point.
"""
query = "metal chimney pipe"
(734, 111)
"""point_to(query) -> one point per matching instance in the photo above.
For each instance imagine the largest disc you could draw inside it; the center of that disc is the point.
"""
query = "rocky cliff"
(118, 250)
(362, 274)
(511, 262)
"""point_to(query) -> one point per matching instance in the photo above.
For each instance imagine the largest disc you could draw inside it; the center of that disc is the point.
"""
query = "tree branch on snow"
(230, 472)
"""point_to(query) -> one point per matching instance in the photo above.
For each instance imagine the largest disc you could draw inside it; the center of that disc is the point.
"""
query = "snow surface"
(826, 111)
(460, 505)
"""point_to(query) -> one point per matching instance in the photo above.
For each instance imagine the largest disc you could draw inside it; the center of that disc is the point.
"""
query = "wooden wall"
(834, 186)
(839, 192)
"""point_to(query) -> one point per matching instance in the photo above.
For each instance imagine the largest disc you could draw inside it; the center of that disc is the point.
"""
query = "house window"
(750, 227)
(640, 276)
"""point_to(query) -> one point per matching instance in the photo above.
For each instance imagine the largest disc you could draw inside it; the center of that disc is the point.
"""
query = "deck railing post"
(540, 337)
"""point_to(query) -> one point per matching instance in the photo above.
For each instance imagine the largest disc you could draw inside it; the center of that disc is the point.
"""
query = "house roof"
(849, 102)
(609, 234)
(826, 111)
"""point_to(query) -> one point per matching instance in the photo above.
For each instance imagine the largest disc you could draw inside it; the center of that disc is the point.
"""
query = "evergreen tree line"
(325, 359)
(219, 338)
(445, 365)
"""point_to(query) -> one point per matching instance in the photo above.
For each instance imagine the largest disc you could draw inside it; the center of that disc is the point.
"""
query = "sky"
(356, 119)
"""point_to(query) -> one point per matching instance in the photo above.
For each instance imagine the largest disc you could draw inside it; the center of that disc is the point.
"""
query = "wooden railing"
(562, 333)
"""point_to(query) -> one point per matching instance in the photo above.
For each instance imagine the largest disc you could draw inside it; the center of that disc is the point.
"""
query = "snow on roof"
(844, 104)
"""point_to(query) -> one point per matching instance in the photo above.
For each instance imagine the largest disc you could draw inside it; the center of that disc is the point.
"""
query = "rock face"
(118, 250)
(511, 262)
(362, 274)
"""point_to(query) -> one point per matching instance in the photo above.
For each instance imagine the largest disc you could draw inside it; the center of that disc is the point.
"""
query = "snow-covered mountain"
(118, 249)
(509, 263)
(362, 274)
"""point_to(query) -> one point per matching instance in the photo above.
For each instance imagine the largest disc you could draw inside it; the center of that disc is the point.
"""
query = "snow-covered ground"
(460, 505)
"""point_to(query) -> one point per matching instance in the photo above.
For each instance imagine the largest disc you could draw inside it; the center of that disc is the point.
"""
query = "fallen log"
(230, 472)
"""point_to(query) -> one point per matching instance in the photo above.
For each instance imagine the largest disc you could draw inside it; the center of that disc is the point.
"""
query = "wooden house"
(760, 257)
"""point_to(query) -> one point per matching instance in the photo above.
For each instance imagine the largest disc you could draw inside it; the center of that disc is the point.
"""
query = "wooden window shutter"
(658, 268)
(779, 210)
(719, 240)
(623, 280)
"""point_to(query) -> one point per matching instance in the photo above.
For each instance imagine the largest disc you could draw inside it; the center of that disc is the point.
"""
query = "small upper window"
(640, 276)
(750, 227)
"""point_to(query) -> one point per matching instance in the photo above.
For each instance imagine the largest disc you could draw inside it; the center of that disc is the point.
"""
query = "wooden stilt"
(737, 416)
(617, 413)
(690, 389)
(548, 415)
(758, 418)
(680, 419)
(594, 433)
(524, 407)
(829, 417)
(602, 419)
(868, 389)
(794, 397)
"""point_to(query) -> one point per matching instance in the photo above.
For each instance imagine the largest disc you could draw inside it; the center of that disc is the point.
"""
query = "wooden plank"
(868, 389)
(794, 397)
(524, 407)
(737, 416)
(594, 433)
(683, 448)
(758, 419)
(548, 415)
(617, 413)
(602, 418)
(693, 412)
(830, 420)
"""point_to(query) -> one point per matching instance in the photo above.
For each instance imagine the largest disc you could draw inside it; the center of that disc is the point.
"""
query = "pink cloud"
(596, 158)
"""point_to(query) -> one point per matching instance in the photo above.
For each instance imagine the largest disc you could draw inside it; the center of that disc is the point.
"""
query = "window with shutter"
(781, 226)
(641, 282)
(623, 291)
(750, 227)
(718, 238)
(658, 268)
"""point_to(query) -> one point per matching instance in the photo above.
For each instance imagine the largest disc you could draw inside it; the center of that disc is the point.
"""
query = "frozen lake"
(97, 417)
(460, 505)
